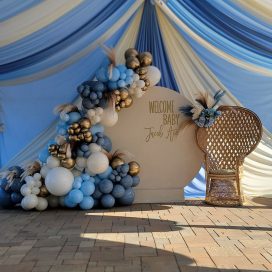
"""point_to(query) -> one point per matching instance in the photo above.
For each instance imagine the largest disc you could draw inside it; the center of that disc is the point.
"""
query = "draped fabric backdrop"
(47, 48)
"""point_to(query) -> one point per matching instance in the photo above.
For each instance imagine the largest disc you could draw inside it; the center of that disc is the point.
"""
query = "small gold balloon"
(118, 108)
(62, 148)
(80, 136)
(118, 98)
(124, 94)
(116, 161)
(74, 125)
(85, 123)
(134, 168)
(141, 71)
(145, 59)
(71, 131)
(144, 89)
(117, 92)
(54, 153)
(68, 163)
(52, 147)
(43, 191)
(132, 63)
(147, 82)
(84, 130)
(61, 156)
(142, 77)
(87, 134)
(131, 52)
(122, 104)
(128, 101)
(88, 139)
(77, 130)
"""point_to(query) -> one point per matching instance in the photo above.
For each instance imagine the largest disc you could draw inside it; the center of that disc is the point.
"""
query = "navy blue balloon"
(107, 201)
(107, 144)
(136, 181)
(128, 198)
(4, 185)
(96, 203)
(16, 185)
(105, 186)
(16, 198)
(97, 194)
(5, 199)
(127, 181)
(87, 104)
(118, 191)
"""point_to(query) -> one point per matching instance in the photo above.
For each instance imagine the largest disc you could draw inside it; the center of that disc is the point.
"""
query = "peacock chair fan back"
(233, 136)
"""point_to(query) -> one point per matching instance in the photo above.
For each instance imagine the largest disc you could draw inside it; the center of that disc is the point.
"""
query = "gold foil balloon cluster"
(122, 99)
(134, 167)
(63, 153)
(139, 62)
(79, 131)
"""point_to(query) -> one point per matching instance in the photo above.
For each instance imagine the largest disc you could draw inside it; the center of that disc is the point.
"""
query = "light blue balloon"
(96, 180)
(102, 74)
(122, 68)
(68, 203)
(105, 186)
(74, 117)
(92, 179)
(105, 174)
(61, 131)
(97, 128)
(115, 74)
(127, 198)
(129, 72)
(87, 203)
(123, 76)
(107, 145)
(76, 184)
(87, 188)
(75, 196)
(44, 155)
(129, 80)
(118, 191)
(112, 85)
(121, 83)
(85, 177)
(107, 201)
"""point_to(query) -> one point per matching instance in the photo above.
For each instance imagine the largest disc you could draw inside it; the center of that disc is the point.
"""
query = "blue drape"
(150, 39)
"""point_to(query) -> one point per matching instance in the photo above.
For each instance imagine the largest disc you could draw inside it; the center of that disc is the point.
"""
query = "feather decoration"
(66, 108)
(218, 95)
(31, 169)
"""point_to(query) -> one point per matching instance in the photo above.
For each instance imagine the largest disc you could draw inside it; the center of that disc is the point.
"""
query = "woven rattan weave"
(234, 135)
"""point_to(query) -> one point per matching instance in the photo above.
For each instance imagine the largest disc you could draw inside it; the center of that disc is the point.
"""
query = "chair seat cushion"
(223, 172)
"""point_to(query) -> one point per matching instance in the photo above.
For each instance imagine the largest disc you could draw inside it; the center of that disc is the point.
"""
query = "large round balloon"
(98, 163)
(109, 117)
(5, 199)
(59, 181)
(153, 75)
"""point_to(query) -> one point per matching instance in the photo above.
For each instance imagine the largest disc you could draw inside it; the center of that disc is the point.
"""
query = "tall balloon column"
(78, 168)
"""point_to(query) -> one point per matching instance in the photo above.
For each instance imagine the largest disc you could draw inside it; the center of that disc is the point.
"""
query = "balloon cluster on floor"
(78, 168)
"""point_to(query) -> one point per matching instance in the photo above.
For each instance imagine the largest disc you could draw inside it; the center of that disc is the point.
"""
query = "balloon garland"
(78, 167)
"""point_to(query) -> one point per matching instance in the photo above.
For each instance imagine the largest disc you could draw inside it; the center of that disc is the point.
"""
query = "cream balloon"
(29, 202)
(59, 181)
(44, 171)
(97, 163)
(109, 117)
(42, 204)
(153, 74)
(52, 162)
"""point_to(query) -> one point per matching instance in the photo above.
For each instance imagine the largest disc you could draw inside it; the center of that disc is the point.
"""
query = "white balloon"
(35, 190)
(60, 140)
(30, 182)
(98, 163)
(81, 162)
(140, 83)
(53, 201)
(25, 190)
(136, 77)
(52, 162)
(91, 113)
(96, 119)
(94, 148)
(44, 171)
(153, 74)
(37, 176)
(38, 184)
(29, 202)
(109, 117)
(59, 181)
(42, 204)
(99, 110)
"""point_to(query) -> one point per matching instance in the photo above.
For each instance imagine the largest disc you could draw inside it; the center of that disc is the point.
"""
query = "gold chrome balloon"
(128, 101)
(43, 191)
(131, 52)
(132, 63)
(134, 168)
(68, 163)
(71, 131)
(116, 161)
(124, 94)
(147, 82)
(74, 125)
(118, 108)
(85, 123)
(61, 156)
(145, 59)
(141, 71)
(122, 104)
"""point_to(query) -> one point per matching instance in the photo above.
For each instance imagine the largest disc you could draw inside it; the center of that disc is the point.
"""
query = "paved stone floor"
(157, 237)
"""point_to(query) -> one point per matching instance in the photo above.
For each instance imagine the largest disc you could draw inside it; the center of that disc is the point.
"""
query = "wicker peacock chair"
(233, 136)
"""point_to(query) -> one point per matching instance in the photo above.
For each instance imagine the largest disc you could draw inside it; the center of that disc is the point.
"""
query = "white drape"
(192, 77)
